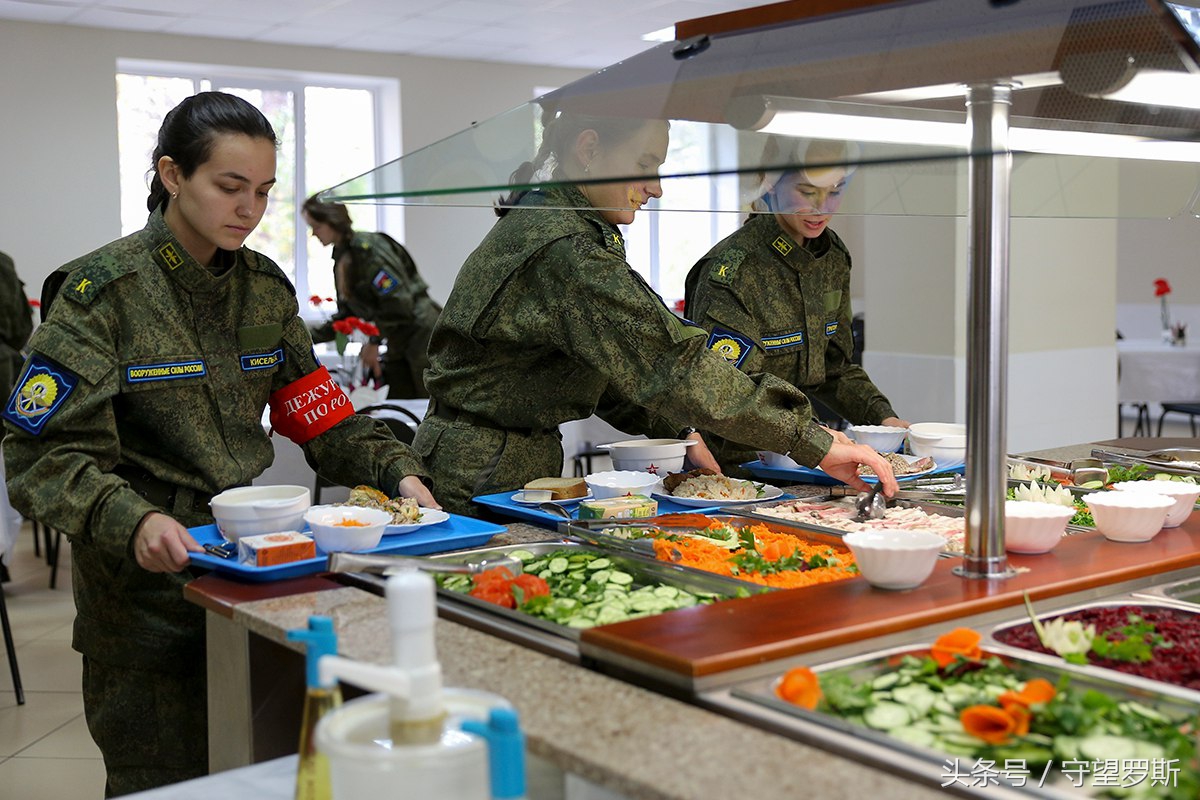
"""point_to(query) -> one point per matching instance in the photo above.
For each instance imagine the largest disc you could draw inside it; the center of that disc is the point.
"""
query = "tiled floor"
(46, 752)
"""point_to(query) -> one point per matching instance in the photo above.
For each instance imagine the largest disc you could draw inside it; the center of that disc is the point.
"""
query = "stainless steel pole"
(989, 167)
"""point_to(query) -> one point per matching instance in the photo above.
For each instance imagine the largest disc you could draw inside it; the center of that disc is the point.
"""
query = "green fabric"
(16, 323)
(202, 432)
(545, 321)
(760, 283)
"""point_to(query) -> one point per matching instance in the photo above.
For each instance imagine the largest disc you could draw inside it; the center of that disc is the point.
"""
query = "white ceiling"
(568, 33)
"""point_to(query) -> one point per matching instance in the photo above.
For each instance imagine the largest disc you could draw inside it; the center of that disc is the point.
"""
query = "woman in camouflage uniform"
(142, 397)
(376, 280)
(548, 323)
(775, 296)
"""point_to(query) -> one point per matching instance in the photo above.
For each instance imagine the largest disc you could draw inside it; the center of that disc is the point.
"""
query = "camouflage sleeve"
(612, 320)
(358, 449)
(847, 388)
(62, 437)
(721, 313)
(16, 322)
(632, 418)
(386, 290)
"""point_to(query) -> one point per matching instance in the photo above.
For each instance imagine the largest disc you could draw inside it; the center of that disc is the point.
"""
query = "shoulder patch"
(384, 282)
(84, 284)
(725, 266)
(730, 345)
(41, 391)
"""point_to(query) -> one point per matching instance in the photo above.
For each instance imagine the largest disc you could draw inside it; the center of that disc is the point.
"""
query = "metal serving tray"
(1185, 593)
(1148, 684)
(755, 701)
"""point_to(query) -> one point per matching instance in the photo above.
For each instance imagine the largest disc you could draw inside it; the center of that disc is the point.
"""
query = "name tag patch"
(783, 340)
(262, 360)
(729, 345)
(308, 407)
(41, 391)
(830, 328)
(384, 282)
(169, 371)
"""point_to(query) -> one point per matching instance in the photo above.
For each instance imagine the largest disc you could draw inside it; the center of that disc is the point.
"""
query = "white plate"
(429, 516)
(519, 498)
(768, 493)
(910, 460)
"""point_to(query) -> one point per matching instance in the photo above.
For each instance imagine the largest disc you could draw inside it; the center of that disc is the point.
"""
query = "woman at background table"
(142, 397)
(548, 323)
(376, 280)
(775, 294)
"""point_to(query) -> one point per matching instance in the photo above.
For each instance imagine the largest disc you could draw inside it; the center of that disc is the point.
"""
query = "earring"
(174, 195)
(587, 168)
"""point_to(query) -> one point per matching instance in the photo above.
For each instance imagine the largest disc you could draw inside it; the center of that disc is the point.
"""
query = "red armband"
(309, 406)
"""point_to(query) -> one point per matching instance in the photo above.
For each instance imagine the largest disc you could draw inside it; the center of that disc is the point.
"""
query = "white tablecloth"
(1155, 372)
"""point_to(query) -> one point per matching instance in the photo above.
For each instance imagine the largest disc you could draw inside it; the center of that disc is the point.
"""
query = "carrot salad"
(778, 560)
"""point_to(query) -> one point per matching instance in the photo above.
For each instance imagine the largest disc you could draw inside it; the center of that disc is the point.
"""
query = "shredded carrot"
(989, 723)
(800, 686)
(1037, 690)
(771, 546)
(958, 642)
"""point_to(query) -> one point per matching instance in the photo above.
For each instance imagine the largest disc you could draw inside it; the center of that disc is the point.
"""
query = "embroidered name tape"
(41, 391)
(830, 328)
(170, 371)
(262, 360)
(308, 407)
(731, 346)
(783, 340)
(383, 282)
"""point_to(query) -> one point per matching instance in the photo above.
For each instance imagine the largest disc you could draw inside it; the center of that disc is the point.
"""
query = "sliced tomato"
(531, 585)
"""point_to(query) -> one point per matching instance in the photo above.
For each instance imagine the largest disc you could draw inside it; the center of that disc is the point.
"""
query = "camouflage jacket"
(16, 323)
(148, 360)
(773, 306)
(547, 319)
(382, 286)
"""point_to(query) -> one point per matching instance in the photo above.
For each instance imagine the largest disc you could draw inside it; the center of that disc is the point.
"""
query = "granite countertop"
(622, 737)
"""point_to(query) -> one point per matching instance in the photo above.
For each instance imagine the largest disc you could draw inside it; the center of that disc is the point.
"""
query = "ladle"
(390, 565)
(870, 505)
(555, 510)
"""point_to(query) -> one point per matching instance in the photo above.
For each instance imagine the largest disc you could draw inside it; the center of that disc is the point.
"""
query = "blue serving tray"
(502, 503)
(821, 478)
(455, 533)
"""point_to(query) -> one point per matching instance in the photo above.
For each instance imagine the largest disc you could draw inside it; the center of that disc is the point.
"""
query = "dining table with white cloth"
(1153, 371)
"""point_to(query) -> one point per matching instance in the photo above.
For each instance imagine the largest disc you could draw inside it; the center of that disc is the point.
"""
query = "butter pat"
(630, 506)
(269, 549)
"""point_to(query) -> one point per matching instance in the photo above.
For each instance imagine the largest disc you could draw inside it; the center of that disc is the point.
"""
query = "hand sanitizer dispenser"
(417, 739)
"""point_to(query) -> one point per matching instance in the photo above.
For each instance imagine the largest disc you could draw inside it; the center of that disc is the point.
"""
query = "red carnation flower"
(35, 303)
(1161, 287)
(315, 299)
(345, 326)
(368, 328)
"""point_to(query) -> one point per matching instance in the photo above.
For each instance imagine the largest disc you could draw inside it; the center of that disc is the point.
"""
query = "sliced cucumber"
(887, 716)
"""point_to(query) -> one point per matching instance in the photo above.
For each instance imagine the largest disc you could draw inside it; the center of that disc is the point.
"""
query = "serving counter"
(646, 712)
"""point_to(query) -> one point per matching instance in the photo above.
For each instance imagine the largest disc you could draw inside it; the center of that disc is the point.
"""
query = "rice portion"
(716, 487)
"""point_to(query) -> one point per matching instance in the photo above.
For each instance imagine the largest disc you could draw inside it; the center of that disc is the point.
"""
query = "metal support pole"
(989, 167)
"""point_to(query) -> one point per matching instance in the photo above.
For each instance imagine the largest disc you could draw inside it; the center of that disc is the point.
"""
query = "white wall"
(58, 138)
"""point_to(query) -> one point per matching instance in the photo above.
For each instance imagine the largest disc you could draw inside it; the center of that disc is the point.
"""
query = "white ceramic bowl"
(1185, 495)
(657, 456)
(252, 510)
(1034, 527)
(616, 483)
(895, 559)
(884, 438)
(1129, 516)
(333, 537)
(944, 442)
(777, 460)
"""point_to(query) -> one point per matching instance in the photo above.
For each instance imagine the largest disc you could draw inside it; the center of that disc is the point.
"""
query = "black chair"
(582, 461)
(402, 427)
(1191, 409)
(11, 648)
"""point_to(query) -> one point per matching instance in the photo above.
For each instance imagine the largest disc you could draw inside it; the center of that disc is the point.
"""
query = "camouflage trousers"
(151, 727)
(466, 460)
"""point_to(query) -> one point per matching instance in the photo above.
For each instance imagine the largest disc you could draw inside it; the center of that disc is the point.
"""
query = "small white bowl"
(884, 438)
(253, 510)
(1031, 527)
(895, 559)
(1185, 495)
(777, 460)
(944, 442)
(333, 537)
(659, 456)
(1129, 516)
(616, 483)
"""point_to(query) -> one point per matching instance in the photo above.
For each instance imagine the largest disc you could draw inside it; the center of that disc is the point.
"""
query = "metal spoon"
(555, 510)
(870, 505)
(390, 565)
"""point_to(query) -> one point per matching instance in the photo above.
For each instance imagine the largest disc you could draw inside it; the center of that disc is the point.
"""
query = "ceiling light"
(1157, 87)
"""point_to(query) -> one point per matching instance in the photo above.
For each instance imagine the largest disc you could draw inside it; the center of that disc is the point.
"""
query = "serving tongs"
(391, 565)
(1081, 470)
(1174, 462)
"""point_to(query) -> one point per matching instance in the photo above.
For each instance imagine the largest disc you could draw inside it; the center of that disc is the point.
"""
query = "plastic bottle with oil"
(312, 771)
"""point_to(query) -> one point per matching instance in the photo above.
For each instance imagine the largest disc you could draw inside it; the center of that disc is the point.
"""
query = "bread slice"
(560, 488)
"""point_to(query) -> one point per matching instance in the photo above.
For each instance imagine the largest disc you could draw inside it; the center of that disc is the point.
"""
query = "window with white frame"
(330, 128)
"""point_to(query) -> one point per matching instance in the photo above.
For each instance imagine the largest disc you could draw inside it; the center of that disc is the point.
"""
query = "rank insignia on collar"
(170, 256)
(782, 245)
(731, 346)
(384, 282)
(41, 391)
